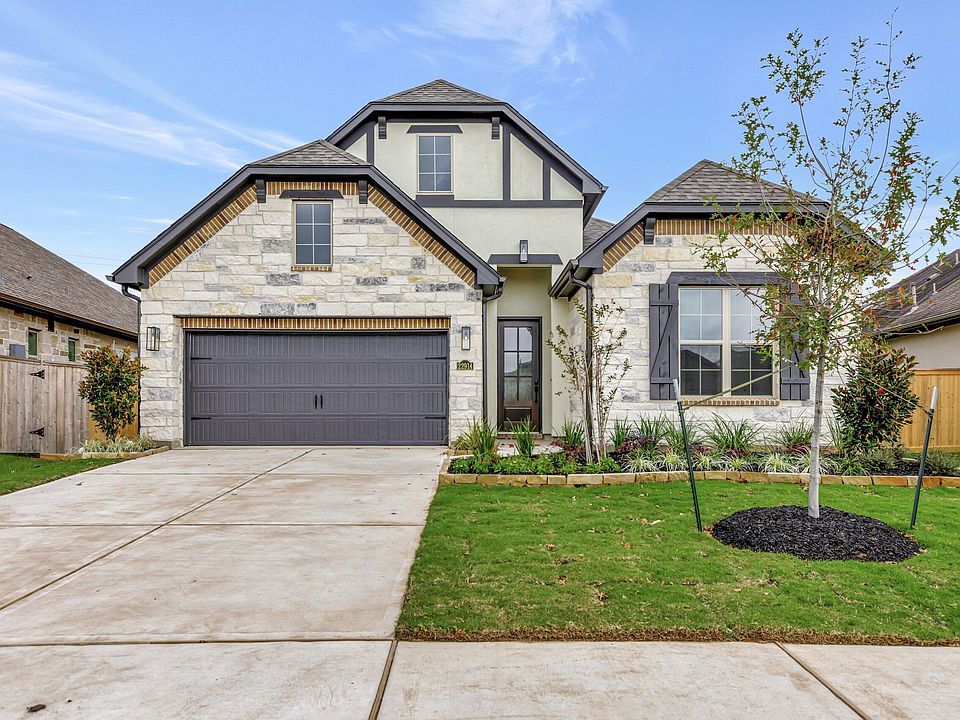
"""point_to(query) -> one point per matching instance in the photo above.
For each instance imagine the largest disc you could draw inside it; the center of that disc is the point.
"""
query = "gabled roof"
(709, 179)
(33, 277)
(594, 230)
(928, 298)
(316, 160)
(438, 91)
(696, 191)
(318, 152)
(443, 99)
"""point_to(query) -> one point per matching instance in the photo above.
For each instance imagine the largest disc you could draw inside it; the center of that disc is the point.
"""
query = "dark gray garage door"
(316, 389)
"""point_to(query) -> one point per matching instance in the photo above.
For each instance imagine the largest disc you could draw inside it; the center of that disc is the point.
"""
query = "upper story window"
(72, 349)
(33, 342)
(312, 233)
(435, 163)
(718, 347)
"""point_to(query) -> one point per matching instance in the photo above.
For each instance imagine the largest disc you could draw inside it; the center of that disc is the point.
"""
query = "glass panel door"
(519, 366)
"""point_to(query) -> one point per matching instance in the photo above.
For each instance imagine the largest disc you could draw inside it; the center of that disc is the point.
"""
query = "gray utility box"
(17, 351)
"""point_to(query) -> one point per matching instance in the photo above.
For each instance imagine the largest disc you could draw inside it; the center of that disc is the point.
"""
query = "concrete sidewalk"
(266, 583)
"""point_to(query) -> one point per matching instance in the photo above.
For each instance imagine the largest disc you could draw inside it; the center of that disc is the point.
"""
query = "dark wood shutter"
(664, 340)
(794, 382)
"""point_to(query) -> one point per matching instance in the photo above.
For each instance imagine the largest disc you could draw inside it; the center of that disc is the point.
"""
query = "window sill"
(311, 268)
(734, 402)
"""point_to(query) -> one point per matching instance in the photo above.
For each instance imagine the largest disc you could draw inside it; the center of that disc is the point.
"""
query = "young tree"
(852, 194)
(594, 369)
(112, 388)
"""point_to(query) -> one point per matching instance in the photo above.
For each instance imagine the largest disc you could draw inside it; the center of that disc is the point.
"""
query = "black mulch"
(836, 535)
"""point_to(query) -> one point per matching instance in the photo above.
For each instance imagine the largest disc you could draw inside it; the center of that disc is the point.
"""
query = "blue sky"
(115, 118)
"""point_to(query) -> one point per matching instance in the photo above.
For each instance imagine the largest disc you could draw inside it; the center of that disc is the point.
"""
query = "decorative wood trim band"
(616, 252)
(204, 233)
(696, 226)
(736, 402)
(276, 187)
(421, 236)
(208, 322)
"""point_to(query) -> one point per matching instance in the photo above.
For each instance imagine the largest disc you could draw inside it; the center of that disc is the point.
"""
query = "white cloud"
(509, 35)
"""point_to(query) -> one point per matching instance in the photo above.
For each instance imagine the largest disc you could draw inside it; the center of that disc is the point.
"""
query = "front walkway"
(266, 582)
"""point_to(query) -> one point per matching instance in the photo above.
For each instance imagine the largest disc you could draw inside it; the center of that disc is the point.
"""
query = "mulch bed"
(836, 535)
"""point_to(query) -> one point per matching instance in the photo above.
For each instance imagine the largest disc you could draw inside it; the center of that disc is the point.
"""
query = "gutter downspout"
(125, 289)
(483, 343)
(588, 391)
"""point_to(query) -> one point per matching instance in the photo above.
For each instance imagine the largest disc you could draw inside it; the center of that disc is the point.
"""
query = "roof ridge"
(313, 143)
(441, 84)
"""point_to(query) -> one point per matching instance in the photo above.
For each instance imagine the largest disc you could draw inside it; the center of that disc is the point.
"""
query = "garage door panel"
(250, 388)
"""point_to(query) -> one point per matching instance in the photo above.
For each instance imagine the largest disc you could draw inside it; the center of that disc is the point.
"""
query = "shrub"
(480, 439)
(674, 437)
(112, 389)
(793, 437)
(514, 465)
(781, 463)
(841, 437)
(877, 401)
(652, 431)
(844, 464)
(118, 445)
(621, 433)
(942, 463)
(734, 437)
(640, 461)
(671, 461)
(523, 437)
(571, 439)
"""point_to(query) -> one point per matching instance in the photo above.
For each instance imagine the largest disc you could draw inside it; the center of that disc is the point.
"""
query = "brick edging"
(448, 478)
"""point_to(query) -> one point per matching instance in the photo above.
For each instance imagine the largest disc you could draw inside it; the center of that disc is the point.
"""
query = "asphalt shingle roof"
(708, 179)
(37, 277)
(594, 230)
(318, 152)
(937, 297)
(438, 91)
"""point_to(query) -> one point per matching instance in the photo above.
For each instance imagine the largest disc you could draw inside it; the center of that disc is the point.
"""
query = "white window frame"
(416, 149)
(726, 344)
(294, 233)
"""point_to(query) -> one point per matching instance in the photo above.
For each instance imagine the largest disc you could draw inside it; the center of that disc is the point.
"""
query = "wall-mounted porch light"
(524, 251)
(465, 337)
(153, 338)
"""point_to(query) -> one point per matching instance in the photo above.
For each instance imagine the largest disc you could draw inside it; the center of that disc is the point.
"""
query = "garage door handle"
(315, 398)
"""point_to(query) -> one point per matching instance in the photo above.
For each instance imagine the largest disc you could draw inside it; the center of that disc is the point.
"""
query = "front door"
(518, 370)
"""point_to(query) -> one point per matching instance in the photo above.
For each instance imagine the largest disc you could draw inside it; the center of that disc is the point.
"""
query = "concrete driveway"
(289, 566)
(266, 583)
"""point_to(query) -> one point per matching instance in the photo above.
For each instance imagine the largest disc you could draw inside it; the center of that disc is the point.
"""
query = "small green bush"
(942, 463)
(734, 437)
(651, 431)
(480, 439)
(877, 401)
(112, 388)
(621, 433)
(793, 437)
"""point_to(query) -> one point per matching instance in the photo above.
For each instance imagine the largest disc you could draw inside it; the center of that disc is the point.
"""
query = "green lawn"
(626, 561)
(20, 471)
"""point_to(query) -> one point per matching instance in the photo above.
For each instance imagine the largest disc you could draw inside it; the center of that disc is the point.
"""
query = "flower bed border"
(104, 455)
(626, 478)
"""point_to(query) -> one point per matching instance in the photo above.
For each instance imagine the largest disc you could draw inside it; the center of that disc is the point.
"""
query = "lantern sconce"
(524, 250)
(465, 337)
(153, 338)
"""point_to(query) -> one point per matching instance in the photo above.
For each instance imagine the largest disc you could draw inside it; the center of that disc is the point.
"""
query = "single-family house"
(391, 282)
(51, 310)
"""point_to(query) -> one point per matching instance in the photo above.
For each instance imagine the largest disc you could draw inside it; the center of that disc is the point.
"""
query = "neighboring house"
(921, 314)
(51, 310)
(394, 281)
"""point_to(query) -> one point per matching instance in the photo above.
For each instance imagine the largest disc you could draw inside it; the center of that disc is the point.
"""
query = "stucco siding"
(526, 172)
(246, 269)
(935, 350)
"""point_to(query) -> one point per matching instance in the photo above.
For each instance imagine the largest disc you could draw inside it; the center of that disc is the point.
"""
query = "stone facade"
(247, 269)
(627, 284)
(52, 346)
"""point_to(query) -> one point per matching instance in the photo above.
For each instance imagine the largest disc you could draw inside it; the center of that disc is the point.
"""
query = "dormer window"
(435, 163)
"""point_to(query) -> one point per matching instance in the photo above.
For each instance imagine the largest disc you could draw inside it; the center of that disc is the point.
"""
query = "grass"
(22, 471)
(626, 562)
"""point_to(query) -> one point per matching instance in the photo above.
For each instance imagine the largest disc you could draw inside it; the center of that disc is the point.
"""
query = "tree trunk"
(813, 494)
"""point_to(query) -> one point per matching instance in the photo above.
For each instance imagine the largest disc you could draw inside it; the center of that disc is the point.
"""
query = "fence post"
(923, 458)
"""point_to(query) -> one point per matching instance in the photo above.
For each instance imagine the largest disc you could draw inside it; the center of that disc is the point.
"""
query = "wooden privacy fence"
(40, 409)
(945, 434)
